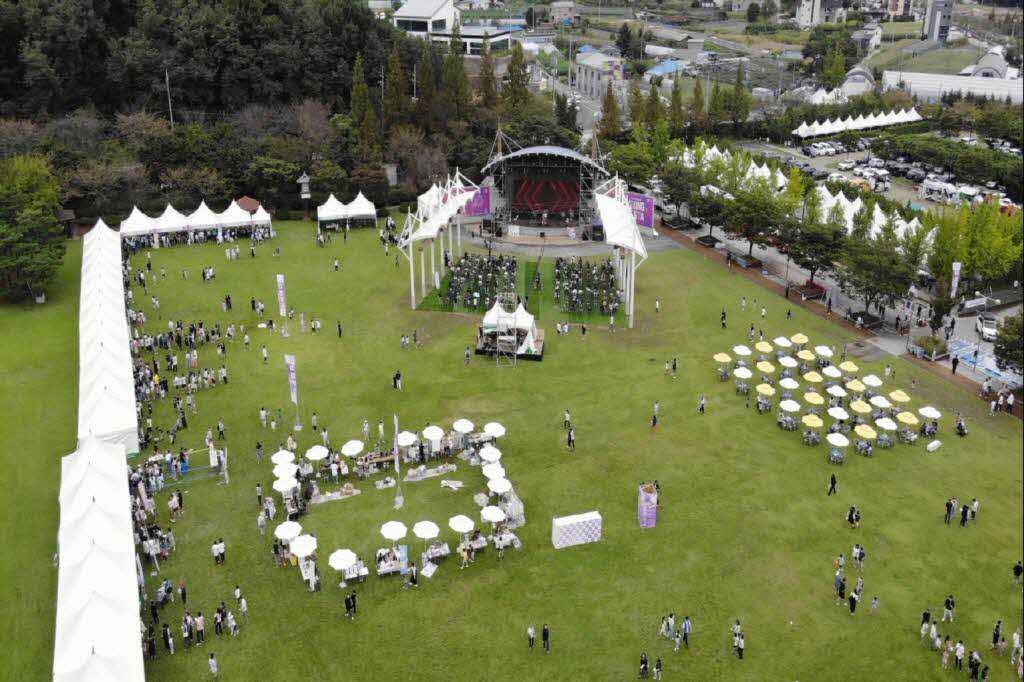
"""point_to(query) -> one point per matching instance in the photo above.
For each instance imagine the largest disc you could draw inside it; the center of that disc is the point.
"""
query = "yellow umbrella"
(860, 406)
(763, 346)
(856, 385)
(907, 418)
(899, 397)
(813, 398)
(805, 355)
(722, 357)
(798, 339)
(865, 431)
(813, 377)
(848, 366)
(765, 367)
(765, 389)
(812, 420)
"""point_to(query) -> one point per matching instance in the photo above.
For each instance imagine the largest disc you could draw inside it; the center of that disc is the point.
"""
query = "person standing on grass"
(545, 637)
(675, 367)
(687, 629)
(259, 495)
(531, 636)
(261, 523)
(702, 404)
(571, 439)
(567, 421)
(948, 608)
(182, 592)
(657, 305)
(741, 645)
(832, 485)
(723, 319)
(214, 667)
(265, 354)
(468, 354)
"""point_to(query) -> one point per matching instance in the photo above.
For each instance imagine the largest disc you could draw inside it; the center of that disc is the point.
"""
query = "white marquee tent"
(98, 624)
(830, 127)
(138, 224)
(333, 210)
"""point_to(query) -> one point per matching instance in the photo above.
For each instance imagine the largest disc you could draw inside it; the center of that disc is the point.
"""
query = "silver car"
(987, 326)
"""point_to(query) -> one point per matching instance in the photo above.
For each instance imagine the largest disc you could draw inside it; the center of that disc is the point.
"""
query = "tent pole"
(632, 286)
(459, 227)
(412, 278)
(433, 269)
(423, 272)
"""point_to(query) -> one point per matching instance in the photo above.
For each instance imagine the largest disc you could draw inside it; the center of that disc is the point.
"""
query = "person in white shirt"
(214, 668)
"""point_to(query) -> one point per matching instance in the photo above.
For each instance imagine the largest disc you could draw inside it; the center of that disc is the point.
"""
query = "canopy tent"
(203, 218)
(331, 210)
(862, 122)
(137, 223)
(235, 216)
(361, 207)
(497, 319)
(97, 623)
(106, 385)
(621, 231)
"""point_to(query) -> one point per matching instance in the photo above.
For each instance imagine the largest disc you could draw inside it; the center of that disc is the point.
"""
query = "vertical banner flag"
(293, 381)
(282, 306)
(956, 279)
(480, 204)
(642, 206)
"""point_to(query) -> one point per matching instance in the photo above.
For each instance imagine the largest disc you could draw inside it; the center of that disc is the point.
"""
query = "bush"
(933, 345)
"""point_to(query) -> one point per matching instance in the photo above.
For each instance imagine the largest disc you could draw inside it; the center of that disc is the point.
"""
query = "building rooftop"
(599, 60)
(420, 8)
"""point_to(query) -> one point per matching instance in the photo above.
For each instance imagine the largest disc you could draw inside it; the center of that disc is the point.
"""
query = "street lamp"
(304, 194)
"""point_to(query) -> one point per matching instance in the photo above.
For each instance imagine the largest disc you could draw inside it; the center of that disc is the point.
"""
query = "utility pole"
(167, 84)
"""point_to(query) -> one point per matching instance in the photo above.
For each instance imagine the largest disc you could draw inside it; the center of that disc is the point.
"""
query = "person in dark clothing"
(832, 485)
(964, 512)
(545, 638)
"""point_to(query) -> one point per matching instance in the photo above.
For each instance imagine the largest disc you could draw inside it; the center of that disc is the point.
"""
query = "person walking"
(948, 608)
(687, 629)
(468, 354)
(832, 485)
(531, 637)
(723, 319)
(571, 439)
(214, 667)
(545, 638)
(702, 404)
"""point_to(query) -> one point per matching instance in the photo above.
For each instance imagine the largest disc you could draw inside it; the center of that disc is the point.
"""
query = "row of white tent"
(361, 208)
(436, 206)
(753, 170)
(851, 208)
(106, 385)
(203, 218)
(830, 127)
(97, 627)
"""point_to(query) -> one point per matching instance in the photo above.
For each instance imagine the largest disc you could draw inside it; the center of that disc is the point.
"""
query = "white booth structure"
(510, 332)
(830, 127)
(333, 212)
(622, 232)
(172, 221)
(435, 209)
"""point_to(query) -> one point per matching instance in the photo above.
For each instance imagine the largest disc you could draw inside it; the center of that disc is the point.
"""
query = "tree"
(679, 182)
(624, 39)
(427, 102)
(739, 101)
(489, 97)
(834, 71)
(698, 113)
(1009, 344)
(188, 185)
(456, 85)
(660, 139)
(359, 102)
(396, 92)
(654, 112)
(873, 269)
(566, 113)
(753, 13)
(273, 179)
(677, 109)
(753, 214)
(516, 93)
(818, 240)
(31, 242)
(637, 103)
(718, 110)
(610, 125)
(634, 162)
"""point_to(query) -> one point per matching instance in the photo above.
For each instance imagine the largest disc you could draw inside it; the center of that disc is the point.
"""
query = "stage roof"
(545, 150)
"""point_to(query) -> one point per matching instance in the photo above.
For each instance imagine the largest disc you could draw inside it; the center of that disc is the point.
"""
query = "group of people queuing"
(587, 286)
(476, 280)
(257, 234)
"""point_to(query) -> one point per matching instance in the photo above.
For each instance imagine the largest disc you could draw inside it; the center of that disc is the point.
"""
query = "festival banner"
(480, 204)
(282, 305)
(642, 206)
(293, 381)
(956, 279)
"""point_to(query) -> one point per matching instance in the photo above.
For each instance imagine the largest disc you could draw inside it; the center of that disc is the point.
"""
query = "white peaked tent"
(137, 223)
(332, 209)
(435, 208)
(862, 122)
(106, 386)
(362, 208)
(235, 216)
(496, 319)
(203, 218)
(261, 217)
(620, 230)
(171, 221)
(98, 624)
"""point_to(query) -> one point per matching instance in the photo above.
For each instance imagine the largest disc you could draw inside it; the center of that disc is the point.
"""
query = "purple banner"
(293, 380)
(282, 305)
(480, 204)
(642, 206)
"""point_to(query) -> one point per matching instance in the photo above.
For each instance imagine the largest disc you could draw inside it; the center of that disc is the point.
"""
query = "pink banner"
(293, 380)
(480, 204)
(642, 206)
(282, 305)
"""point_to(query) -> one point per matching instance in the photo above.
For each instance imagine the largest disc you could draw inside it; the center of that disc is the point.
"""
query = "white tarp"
(620, 224)
(97, 633)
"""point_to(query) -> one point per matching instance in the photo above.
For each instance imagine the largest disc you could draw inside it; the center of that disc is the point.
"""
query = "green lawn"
(890, 28)
(746, 530)
(944, 60)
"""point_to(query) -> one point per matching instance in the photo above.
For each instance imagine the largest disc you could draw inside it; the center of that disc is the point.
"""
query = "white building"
(930, 87)
(594, 71)
(937, 19)
(858, 81)
(813, 12)
(900, 8)
(423, 17)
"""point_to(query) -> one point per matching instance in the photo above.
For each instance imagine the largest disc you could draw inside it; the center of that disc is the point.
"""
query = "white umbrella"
(886, 424)
(282, 457)
(741, 350)
(494, 429)
(929, 412)
(789, 384)
(493, 471)
(872, 381)
(286, 470)
(352, 448)
(303, 546)
(742, 373)
(393, 530)
(317, 452)
(342, 559)
(463, 426)
(289, 530)
(836, 391)
(284, 485)
(490, 454)
(425, 530)
(499, 485)
(832, 372)
(460, 524)
(823, 351)
(787, 361)
(782, 342)
(880, 401)
(492, 514)
(838, 440)
(838, 413)
(433, 432)
(789, 406)
(406, 438)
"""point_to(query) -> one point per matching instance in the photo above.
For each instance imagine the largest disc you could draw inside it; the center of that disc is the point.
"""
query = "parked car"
(846, 165)
(819, 173)
(915, 175)
(876, 162)
(838, 146)
(836, 177)
(987, 326)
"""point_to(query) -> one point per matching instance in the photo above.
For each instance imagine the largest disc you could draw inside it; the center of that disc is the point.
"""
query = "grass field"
(890, 28)
(945, 60)
(746, 530)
